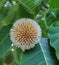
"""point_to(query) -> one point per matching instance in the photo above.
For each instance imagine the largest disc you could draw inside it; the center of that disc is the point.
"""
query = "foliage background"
(46, 13)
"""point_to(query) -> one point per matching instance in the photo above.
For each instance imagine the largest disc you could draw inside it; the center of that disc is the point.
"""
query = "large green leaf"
(54, 37)
(30, 5)
(40, 55)
(14, 13)
(54, 4)
(5, 43)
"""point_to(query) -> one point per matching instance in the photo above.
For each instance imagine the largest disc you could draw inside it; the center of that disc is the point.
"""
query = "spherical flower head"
(25, 33)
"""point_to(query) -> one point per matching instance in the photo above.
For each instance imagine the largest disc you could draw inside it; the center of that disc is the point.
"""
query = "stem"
(47, 27)
(45, 23)
(17, 62)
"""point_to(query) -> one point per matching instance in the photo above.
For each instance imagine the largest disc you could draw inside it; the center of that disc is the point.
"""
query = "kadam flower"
(25, 33)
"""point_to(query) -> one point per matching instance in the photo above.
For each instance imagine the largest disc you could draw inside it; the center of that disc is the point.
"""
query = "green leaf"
(52, 16)
(3, 14)
(30, 5)
(14, 13)
(54, 4)
(1, 62)
(21, 12)
(5, 43)
(54, 37)
(40, 55)
(2, 1)
(9, 17)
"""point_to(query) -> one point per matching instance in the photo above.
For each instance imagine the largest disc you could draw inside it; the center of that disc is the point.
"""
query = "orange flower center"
(25, 32)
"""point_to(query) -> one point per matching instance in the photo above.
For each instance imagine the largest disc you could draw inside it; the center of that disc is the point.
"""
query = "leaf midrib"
(43, 53)
(27, 7)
